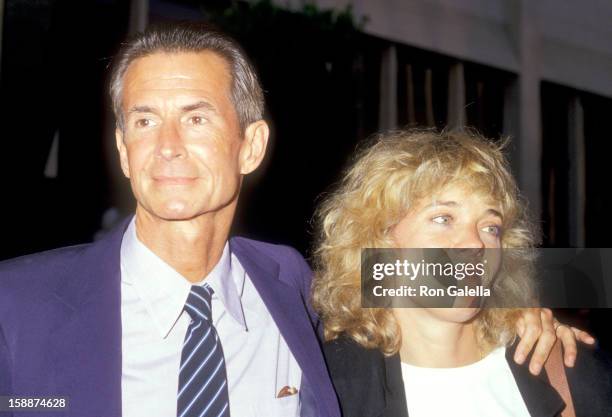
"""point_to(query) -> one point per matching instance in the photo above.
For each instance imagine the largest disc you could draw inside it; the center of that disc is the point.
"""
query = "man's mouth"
(173, 180)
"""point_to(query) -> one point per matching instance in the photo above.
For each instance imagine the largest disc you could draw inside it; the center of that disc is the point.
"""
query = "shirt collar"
(225, 279)
(164, 291)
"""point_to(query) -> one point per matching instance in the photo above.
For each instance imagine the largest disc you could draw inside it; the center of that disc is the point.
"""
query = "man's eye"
(442, 219)
(143, 123)
(197, 120)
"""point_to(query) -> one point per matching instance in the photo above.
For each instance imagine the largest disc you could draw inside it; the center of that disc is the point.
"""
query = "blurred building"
(537, 71)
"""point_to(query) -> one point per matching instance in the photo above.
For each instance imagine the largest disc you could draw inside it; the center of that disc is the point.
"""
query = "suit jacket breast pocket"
(279, 407)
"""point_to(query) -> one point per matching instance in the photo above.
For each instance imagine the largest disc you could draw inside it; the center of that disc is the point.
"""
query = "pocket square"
(286, 391)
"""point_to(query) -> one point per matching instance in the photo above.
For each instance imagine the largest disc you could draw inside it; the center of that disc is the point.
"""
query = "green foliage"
(263, 19)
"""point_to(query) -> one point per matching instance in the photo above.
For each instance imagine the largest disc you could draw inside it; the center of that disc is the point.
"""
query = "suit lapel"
(395, 392)
(540, 398)
(86, 346)
(288, 311)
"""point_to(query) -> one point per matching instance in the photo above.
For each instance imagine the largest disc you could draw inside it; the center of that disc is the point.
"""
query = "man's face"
(182, 146)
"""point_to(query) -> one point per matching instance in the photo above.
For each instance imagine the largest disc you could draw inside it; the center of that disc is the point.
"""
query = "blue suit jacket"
(60, 323)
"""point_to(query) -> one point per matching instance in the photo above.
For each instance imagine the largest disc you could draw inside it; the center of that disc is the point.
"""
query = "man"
(166, 316)
(105, 324)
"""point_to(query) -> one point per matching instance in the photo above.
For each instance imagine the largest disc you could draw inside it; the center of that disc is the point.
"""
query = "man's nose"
(170, 142)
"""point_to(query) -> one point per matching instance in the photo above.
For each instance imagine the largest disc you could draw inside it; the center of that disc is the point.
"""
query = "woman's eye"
(441, 219)
(494, 230)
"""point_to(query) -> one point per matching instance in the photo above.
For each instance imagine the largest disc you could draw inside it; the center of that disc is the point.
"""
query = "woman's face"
(455, 218)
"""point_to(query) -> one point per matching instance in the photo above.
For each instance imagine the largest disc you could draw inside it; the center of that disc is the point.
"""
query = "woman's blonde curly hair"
(393, 172)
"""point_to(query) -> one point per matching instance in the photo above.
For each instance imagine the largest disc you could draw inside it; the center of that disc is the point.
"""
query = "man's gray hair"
(246, 91)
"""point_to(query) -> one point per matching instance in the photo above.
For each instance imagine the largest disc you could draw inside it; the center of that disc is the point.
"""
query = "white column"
(577, 177)
(429, 107)
(52, 164)
(523, 107)
(456, 97)
(511, 123)
(410, 96)
(387, 116)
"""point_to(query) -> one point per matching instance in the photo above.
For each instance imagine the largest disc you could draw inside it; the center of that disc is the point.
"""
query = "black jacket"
(370, 385)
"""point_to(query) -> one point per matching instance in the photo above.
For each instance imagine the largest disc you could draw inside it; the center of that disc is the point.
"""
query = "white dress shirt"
(259, 363)
(483, 389)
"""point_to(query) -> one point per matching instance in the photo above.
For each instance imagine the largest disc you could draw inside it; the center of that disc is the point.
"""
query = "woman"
(429, 190)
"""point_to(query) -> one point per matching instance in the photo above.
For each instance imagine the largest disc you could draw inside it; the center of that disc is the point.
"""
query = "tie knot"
(198, 303)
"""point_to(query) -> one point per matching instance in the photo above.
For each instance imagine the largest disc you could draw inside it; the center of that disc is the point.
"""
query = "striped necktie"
(202, 377)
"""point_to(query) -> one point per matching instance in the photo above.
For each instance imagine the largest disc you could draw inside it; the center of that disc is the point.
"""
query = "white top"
(259, 363)
(483, 389)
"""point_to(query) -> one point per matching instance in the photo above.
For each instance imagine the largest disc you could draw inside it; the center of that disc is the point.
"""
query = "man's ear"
(253, 148)
(123, 157)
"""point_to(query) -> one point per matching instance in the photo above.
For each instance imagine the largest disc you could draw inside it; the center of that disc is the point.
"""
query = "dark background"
(321, 78)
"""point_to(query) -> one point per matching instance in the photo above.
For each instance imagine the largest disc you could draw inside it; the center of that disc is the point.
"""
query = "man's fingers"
(541, 352)
(530, 332)
(548, 319)
(583, 336)
(545, 342)
(520, 327)
(568, 339)
(539, 326)
(526, 344)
